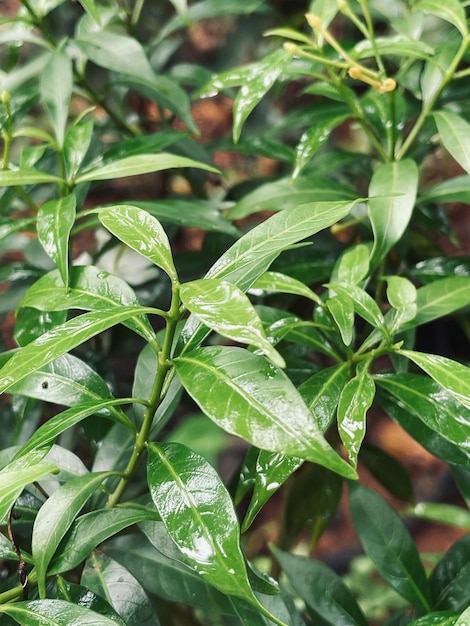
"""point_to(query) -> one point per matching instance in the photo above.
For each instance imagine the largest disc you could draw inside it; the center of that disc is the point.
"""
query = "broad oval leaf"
(90, 288)
(453, 376)
(55, 518)
(248, 396)
(321, 392)
(140, 164)
(60, 340)
(389, 545)
(455, 135)
(199, 516)
(141, 232)
(321, 589)
(54, 613)
(223, 307)
(394, 186)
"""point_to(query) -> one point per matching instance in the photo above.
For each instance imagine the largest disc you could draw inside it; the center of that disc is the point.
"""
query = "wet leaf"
(54, 613)
(223, 307)
(248, 396)
(80, 595)
(275, 282)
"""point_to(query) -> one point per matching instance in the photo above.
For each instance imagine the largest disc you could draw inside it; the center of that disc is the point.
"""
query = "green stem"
(371, 33)
(156, 397)
(448, 75)
(40, 23)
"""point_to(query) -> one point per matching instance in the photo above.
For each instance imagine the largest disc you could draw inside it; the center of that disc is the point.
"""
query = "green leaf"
(321, 393)
(447, 514)
(141, 232)
(451, 11)
(453, 376)
(389, 472)
(90, 8)
(449, 580)
(200, 518)
(139, 164)
(76, 144)
(342, 311)
(352, 266)
(56, 84)
(54, 613)
(26, 176)
(402, 295)
(54, 223)
(55, 518)
(110, 580)
(90, 288)
(322, 589)
(427, 401)
(19, 473)
(285, 194)
(456, 189)
(464, 618)
(275, 282)
(312, 140)
(455, 135)
(364, 304)
(223, 307)
(355, 400)
(261, 77)
(388, 544)
(57, 342)
(437, 618)
(82, 596)
(434, 74)
(252, 255)
(392, 195)
(58, 424)
(10, 227)
(91, 529)
(248, 396)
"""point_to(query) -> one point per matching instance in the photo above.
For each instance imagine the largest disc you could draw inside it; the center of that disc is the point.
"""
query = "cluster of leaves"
(322, 333)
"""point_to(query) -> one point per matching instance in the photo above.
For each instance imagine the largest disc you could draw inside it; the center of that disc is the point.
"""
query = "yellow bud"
(355, 72)
(387, 84)
(313, 20)
(5, 97)
(291, 48)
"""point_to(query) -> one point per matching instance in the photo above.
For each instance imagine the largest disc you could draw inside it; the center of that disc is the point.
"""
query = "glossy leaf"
(437, 618)
(285, 194)
(451, 11)
(389, 545)
(464, 618)
(78, 594)
(281, 283)
(139, 164)
(449, 579)
(54, 224)
(364, 304)
(252, 255)
(54, 613)
(322, 589)
(223, 307)
(160, 570)
(402, 295)
(90, 288)
(260, 78)
(199, 516)
(76, 144)
(342, 311)
(9, 227)
(56, 84)
(427, 401)
(58, 424)
(141, 232)
(455, 135)
(25, 176)
(453, 376)
(392, 195)
(55, 518)
(112, 581)
(57, 342)
(271, 472)
(352, 266)
(442, 514)
(248, 396)
(355, 400)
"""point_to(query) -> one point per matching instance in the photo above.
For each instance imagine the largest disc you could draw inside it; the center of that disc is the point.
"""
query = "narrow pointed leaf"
(354, 402)
(455, 135)
(281, 283)
(449, 580)
(453, 376)
(223, 307)
(390, 214)
(57, 342)
(321, 589)
(25, 176)
(252, 255)
(54, 613)
(342, 311)
(446, 514)
(56, 84)
(141, 232)
(389, 545)
(200, 518)
(248, 396)
(55, 518)
(90, 288)
(451, 11)
(353, 265)
(140, 164)
(82, 596)
(321, 392)
(54, 224)
(76, 144)
(90, 8)
(364, 304)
